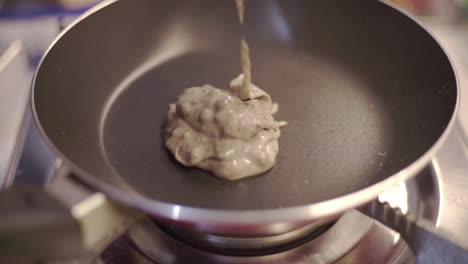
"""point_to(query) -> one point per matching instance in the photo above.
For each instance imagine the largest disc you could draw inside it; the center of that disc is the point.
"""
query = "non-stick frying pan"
(368, 94)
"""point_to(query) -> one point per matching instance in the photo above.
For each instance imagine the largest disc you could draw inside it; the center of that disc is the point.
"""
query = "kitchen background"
(27, 27)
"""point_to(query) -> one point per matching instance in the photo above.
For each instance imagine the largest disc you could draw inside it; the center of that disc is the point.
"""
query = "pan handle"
(101, 220)
(431, 245)
(63, 221)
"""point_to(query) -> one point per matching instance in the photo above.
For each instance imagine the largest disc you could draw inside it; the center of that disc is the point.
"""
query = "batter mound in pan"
(231, 133)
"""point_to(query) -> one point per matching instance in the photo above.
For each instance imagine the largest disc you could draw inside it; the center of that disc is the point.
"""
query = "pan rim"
(301, 213)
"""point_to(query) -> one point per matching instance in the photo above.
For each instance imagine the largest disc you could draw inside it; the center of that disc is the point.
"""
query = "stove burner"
(247, 246)
(354, 238)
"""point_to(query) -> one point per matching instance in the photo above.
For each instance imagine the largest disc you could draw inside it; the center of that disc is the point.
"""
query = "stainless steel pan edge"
(256, 221)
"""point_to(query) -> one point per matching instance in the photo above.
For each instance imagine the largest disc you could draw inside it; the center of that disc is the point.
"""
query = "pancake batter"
(215, 130)
(230, 133)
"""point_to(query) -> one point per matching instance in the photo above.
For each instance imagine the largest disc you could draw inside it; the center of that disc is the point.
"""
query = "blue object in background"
(37, 22)
(30, 9)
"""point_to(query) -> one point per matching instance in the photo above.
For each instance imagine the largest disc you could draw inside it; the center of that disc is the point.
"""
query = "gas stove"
(438, 194)
(366, 242)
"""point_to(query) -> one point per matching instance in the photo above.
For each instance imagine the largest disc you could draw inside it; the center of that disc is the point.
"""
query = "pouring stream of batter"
(245, 56)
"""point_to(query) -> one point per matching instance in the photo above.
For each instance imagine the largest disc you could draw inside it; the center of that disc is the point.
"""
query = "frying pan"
(368, 94)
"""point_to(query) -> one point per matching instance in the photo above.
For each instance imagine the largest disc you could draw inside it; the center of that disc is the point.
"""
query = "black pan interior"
(366, 91)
